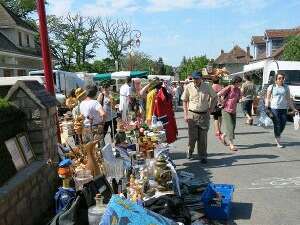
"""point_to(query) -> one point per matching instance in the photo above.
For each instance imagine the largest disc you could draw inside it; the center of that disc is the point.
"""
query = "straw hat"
(80, 93)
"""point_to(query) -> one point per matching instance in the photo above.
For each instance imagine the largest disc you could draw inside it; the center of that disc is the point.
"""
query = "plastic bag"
(265, 121)
(297, 121)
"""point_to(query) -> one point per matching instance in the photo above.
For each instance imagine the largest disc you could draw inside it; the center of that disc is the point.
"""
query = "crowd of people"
(200, 101)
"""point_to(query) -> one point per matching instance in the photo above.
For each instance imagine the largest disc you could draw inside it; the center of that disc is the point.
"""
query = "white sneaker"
(278, 143)
(279, 146)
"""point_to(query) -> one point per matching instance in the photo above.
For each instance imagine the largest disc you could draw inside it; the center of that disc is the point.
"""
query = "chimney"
(222, 51)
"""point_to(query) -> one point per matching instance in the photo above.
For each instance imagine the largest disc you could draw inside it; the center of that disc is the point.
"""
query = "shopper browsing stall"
(94, 115)
(125, 93)
(106, 100)
(198, 101)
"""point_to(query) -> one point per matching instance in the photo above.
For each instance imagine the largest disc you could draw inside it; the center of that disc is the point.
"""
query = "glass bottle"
(96, 212)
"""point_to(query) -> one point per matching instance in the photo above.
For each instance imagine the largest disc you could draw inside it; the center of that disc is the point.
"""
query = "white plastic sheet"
(297, 121)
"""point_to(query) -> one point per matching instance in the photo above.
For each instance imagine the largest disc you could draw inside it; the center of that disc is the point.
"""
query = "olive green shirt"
(248, 90)
(199, 98)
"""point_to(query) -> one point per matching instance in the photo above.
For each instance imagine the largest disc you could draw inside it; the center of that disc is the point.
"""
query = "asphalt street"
(266, 179)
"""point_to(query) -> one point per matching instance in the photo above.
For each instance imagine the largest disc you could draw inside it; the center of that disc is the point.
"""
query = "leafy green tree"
(73, 40)
(22, 8)
(169, 70)
(291, 50)
(137, 61)
(188, 65)
(160, 67)
(103, 66)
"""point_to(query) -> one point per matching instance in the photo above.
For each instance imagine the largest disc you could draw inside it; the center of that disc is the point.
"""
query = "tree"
(169, 70)
(189, 65)
(115, 35)
(160, 67)
(137, 61)
(73, 40)
(103, 66)
(291, 50)
(22, 8)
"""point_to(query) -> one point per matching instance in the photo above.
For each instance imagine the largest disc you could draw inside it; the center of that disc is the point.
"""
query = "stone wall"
(41, 125)
(28, 198)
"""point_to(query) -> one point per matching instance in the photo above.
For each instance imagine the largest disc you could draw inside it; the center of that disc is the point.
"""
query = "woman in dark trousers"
(278, 101)
(248, 93)
(106, 100)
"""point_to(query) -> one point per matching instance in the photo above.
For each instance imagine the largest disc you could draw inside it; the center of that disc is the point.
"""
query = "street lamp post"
(134, 41)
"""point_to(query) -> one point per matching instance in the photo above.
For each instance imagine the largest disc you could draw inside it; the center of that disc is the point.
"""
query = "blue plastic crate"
(214, 209)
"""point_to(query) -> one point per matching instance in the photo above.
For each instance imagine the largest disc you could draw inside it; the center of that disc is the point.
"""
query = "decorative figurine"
(162, 173)
(92, 164)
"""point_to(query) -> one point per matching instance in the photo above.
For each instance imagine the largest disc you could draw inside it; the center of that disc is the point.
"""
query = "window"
(28, 40)
(21, 73)
(20, 39)
(8, 73)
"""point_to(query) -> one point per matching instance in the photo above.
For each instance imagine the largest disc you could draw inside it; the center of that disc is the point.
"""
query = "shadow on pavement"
(247, 133)
(183, 137)
(229, 161)
(260, 145)
(291, 143)
(241, 210)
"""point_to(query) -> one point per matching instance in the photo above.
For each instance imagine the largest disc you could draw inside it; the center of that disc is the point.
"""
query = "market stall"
(133, 180)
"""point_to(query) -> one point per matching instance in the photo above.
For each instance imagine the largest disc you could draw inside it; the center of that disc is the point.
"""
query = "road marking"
(274, 183)
(267, 188)
(278, 181)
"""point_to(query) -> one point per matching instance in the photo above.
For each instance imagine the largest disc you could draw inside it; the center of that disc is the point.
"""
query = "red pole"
(46, 55)
(45, 46)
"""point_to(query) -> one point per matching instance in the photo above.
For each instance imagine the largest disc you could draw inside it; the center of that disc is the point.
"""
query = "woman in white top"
(125, 92)
(278, 101)
(93, 114)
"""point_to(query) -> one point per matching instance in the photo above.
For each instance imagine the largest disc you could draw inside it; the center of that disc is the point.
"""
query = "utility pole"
(44, 39)
(45, 46)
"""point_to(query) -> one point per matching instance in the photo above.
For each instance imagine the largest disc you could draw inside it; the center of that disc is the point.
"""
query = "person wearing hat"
(199, 100)
(71, 100)
(80, 95)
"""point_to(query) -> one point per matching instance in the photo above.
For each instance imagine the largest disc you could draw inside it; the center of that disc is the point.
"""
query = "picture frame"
(26, 147)
(15, 151)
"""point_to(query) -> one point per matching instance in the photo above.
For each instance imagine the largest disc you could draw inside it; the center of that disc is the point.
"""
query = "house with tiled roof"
(234, 60)
(19, 53)
(271, 44)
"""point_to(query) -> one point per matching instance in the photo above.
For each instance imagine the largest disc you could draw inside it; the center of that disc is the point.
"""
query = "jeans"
(279, 120)
(113, 128)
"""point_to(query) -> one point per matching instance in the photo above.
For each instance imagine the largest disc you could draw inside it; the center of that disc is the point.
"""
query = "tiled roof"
(18, 20)
(236, 56)
(257, 40)
(281, 33)
(7, 46)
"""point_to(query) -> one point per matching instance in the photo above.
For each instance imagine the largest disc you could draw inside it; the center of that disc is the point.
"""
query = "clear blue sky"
(176, 28)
